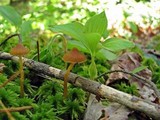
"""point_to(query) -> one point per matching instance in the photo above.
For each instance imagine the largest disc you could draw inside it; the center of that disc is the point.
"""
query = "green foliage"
(155, 42)
(105, 54)
(92, 69)
(155, 69)
(76, 94)
(117, 44)
(74, 29)
(8, 97)
(10, 14)
(89, 35)
(138, 69)
(74, 108)
(48, 103)
(51, 53)
(44, 111)
(131, 89)
(96, 24)
(48, 88)
(26, 29)
(133, 27)
(52, 93)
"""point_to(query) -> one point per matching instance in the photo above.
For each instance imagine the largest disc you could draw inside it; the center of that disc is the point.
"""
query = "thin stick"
(38, 51)
(9, 37)
(153, 86)
(6, 110)
(16, 109)
(10, 79)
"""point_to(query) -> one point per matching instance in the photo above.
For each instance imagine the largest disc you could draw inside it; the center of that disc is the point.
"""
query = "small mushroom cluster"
(72, 57)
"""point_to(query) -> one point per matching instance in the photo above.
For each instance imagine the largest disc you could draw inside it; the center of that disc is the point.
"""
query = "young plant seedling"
(87, 37)
(20, 51)
(72, 57)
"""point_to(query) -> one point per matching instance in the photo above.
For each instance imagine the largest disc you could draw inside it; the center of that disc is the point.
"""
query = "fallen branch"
(133, 102)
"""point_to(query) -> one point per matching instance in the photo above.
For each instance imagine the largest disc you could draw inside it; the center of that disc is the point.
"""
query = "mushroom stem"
(21, 76)
(66, 79)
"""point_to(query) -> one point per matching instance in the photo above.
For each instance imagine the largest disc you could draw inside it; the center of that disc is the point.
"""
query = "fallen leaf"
(96, 111)
(116, 111)
(128, 62)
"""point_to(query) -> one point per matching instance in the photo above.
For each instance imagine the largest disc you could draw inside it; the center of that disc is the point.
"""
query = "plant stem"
(92, 69)
(66, 79)
(6, 110)
(21, 76)
(16, 109)
(20, 39)
(9, 37)
(38, 51)
(64, 43)
(10, 79)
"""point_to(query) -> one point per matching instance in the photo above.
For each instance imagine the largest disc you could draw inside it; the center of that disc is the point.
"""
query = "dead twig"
(152, 85)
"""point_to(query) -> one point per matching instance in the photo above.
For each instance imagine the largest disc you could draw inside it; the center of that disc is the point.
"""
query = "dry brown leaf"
(94, 108)
(128, 62)
(113, 111)
(116, 111)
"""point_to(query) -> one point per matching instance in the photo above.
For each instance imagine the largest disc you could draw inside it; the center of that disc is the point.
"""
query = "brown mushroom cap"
(74, 56)
(19, 49)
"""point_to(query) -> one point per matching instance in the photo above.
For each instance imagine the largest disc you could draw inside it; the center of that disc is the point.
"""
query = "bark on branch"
(133, 102)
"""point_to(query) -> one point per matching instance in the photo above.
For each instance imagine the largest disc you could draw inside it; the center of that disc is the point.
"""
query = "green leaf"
(133, 27)
(96, 24)
(10, 14)
(91, 41)
(105, 54)
(25, 29)
(105, 34)
(78, 44)
(138, 69)
(92, 69)
(117, 44)
(74, 30)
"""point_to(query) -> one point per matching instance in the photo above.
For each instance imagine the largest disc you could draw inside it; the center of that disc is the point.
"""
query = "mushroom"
(20, 51)
(72, 57)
